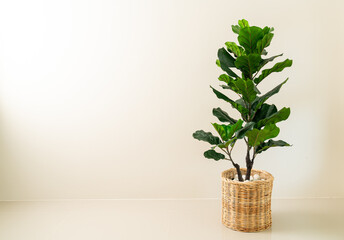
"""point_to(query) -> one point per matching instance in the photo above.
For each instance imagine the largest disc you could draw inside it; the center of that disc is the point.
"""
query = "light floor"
(163, 219)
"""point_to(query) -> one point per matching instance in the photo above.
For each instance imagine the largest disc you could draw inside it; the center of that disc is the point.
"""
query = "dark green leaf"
(241, 133)
(226, 132)
(271, 92)
(223, 116)
(270, 59)
(207, 137)
(212, 154)
(248, 64)
(278, 67)
(248, 38)
(264, 42)
(226, 62)
(247, 89)
(271, 143)
(281, 115)
(256, 136)
(235, 105)
(256, 89)
(267, 30)
(265, 111)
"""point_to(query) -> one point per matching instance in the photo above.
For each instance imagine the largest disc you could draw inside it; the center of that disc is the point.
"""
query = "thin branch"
(246, 141)
(224, 150)
(256, 74)
(254, 155)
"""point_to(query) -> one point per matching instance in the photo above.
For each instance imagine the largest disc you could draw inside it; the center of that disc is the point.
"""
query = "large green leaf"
(264, 42)
(278, 67)
(260, 100)
(233, 48)
(241, 133)
(226, 132)
(271, 143)
(279, 116)
(235, 105)
(247, 89)
(248, 64)
(265, 111)
(212, 154)
(226, 62)
(207, 137)
(256, 136)
(248, 38)
(223, 116)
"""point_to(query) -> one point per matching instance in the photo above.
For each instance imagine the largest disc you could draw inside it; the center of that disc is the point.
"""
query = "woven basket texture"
(246, 206)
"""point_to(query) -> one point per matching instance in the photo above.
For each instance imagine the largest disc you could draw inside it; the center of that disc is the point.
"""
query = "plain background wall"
(99, 99)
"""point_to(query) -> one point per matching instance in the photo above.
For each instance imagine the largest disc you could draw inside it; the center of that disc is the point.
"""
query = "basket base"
(246, 206)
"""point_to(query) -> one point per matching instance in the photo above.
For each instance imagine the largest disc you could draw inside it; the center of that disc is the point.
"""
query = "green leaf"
(236, 29)
(207, 137)
(235, 105)
(264, 42)
(265, 111)
(226, 62)
(279, 116)
(248, 38)
(248, 64)
(223, 116)
(243, 23)
(247, 89)
(278, 67)
(227, 143)
(241, 133)
(267, 30)
(256, 136)
(233, 48)
(271, 143)
(226, 132)
(270, 59)
(230, 82)
(259, 101)
(225, 78)
(212, 154)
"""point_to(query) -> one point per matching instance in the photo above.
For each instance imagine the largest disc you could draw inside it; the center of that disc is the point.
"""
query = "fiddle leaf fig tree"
(243, 65)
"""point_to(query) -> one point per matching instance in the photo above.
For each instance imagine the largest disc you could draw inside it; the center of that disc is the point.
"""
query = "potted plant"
(246, 193)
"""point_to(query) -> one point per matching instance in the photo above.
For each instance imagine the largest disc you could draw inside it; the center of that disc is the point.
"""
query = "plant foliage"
(243, 66)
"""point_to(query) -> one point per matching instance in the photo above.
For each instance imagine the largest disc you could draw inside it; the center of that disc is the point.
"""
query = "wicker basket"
(246, 206)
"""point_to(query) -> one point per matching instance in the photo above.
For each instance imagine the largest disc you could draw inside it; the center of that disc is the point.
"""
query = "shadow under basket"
(246, 206)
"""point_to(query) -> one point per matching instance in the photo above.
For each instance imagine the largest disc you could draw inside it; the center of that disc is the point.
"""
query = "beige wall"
(99, 99)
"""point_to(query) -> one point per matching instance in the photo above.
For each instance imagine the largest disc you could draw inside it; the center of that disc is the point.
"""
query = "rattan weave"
(246, 206)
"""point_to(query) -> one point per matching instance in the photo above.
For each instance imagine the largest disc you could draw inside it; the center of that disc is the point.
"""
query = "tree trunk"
(249, 164)
(239, 172)
(248, 172)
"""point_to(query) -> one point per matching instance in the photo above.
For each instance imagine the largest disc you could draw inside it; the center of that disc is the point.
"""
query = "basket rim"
(267, 180)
